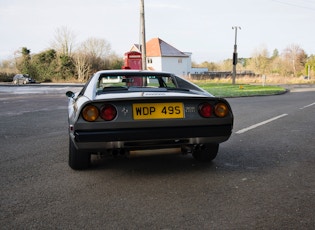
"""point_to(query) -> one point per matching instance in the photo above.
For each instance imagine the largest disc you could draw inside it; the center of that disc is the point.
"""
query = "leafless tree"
(64, 41)
(97, 51)
(95, 47)
(295, 58)
(259, 62)
(82, 65)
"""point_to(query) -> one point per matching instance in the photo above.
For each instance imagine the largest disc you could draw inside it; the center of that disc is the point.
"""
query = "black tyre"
(206, 152)
(78, 160)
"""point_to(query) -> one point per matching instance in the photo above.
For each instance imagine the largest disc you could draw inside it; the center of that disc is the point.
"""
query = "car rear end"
(125, 112)
(152, 122)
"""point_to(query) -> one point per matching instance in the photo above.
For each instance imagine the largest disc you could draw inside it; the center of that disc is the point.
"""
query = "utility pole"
(143, 42)
(235, 54)
(308, 72)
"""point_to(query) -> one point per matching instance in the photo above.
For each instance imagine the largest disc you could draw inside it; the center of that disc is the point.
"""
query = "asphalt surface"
(263, 177)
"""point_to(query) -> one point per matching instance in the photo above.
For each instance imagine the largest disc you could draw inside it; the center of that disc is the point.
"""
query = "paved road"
(263, 177)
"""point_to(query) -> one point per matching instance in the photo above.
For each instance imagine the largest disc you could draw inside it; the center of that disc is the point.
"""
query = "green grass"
(229, 90)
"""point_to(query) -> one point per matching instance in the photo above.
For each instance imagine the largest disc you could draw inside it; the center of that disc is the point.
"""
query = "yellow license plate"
(144, 111)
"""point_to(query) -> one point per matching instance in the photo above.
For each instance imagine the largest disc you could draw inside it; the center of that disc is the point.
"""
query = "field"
(229, 90)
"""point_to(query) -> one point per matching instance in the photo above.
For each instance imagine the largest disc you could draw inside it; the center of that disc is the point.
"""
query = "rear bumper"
(160, 137)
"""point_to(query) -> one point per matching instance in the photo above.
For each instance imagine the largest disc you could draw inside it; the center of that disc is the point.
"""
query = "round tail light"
(205, 110)
(108, 112)
(90, 113)
(221, 110)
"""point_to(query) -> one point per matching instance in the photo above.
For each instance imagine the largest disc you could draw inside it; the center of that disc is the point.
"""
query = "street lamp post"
(235, 54)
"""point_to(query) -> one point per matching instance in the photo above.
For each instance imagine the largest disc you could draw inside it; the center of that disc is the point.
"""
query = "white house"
(161, 56)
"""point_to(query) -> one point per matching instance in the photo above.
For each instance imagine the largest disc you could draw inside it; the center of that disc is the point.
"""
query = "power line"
(296, 4)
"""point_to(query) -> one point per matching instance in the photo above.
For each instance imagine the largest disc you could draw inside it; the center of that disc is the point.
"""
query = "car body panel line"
(152, 133)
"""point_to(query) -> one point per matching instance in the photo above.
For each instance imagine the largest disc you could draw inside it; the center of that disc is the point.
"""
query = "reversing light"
(205, 110)
(221, 110)
(90, 113)
(108, 112)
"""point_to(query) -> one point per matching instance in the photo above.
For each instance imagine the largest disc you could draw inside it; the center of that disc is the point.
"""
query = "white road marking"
(260, 124)
(308, 105)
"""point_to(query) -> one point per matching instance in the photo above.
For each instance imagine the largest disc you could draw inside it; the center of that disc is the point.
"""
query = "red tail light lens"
(205, 110)
(108, 112)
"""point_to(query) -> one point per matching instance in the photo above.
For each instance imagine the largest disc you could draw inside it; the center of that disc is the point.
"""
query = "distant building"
(161, 56)
(198, 70)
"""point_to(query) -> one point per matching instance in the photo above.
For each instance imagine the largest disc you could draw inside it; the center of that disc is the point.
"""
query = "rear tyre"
(78, 160)
(206, 152)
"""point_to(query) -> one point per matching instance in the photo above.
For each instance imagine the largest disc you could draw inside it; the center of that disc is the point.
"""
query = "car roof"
(89, 90)
(19, 74)
(127, 72)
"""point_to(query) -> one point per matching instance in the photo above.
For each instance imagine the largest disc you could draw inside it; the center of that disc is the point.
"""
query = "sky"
(202, 27)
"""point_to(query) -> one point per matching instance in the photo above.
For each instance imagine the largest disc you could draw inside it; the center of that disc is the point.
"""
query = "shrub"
(6, 77)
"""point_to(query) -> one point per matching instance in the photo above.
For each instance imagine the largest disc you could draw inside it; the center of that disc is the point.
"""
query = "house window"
(150, 60)
(180, 60)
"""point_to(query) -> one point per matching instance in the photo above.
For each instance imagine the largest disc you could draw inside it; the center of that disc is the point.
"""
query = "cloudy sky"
(203, 27)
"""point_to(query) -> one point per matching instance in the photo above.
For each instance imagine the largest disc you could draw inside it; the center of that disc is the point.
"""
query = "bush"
(6, 77)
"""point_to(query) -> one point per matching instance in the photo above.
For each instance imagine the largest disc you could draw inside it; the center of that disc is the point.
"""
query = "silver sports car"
(130, 111)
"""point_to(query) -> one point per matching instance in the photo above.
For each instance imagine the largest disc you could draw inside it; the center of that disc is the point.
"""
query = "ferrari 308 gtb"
(129, 111)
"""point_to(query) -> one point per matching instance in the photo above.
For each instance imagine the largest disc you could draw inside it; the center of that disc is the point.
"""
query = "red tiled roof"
(156, 47)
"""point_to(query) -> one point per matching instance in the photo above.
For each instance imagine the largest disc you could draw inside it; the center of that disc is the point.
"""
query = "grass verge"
(229, 90)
